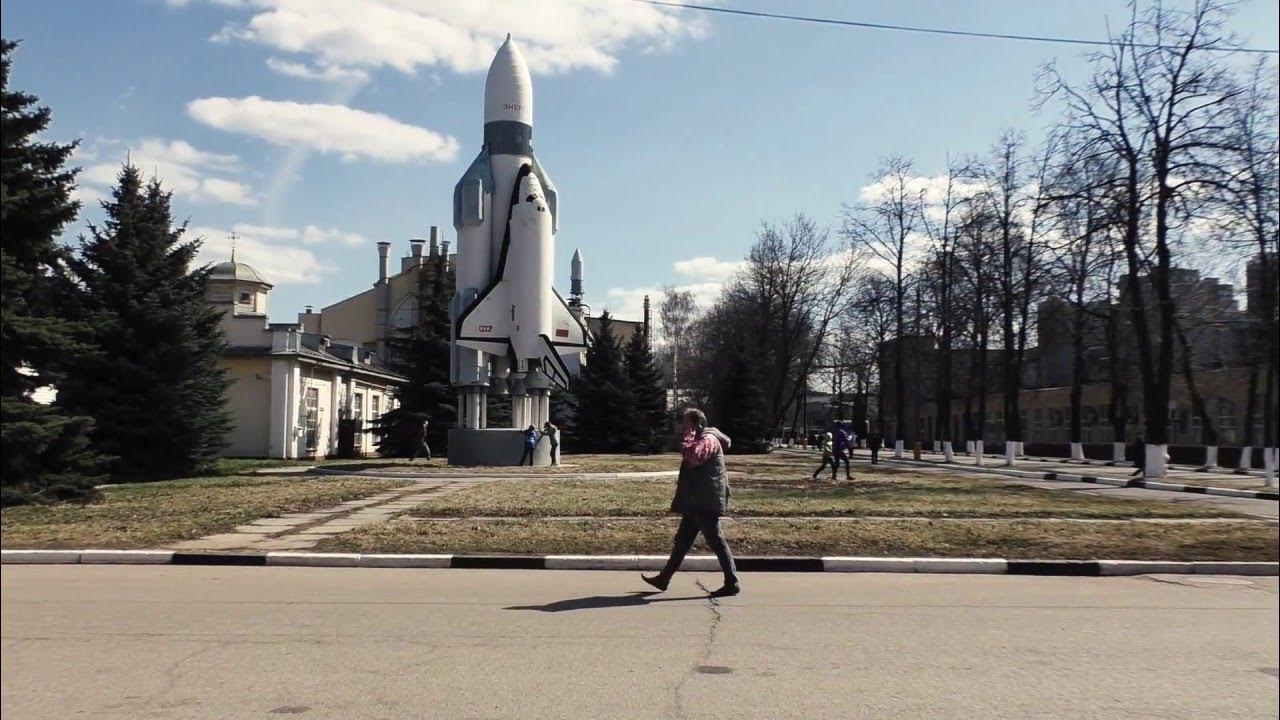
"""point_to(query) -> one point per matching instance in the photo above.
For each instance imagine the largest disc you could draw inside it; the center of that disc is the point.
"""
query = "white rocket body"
(510, 326)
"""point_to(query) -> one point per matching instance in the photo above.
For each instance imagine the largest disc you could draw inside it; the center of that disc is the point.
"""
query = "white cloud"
(312, 235)
(328, 128)
(272, 251)
(712, 274)
(707, 268)
(183, 169)
(462, 35)
(326, 73)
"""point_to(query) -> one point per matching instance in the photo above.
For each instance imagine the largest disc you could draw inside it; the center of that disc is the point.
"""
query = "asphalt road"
(191, 642)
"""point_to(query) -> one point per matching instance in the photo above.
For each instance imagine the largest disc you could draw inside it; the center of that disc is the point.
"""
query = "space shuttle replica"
(511, 329)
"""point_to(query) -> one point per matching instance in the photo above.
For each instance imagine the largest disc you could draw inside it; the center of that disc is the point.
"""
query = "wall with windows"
(1046, 413)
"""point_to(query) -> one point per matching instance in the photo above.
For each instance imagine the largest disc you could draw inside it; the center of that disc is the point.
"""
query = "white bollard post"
(1210, 458)
(949, 455)
(937, 446)
(1157, 461)
(897, 449)
(977, 452)
(1010, 451)
(1270, 459)
(1245, 463)
(1021, 452)
(1077, 452)
(968, 447)
(1117, 453)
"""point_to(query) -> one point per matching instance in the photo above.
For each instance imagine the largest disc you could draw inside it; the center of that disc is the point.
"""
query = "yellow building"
(292, 386)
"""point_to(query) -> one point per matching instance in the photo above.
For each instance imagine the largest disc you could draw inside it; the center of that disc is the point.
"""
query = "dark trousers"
(555, 454)
(709, 525)
(421, 447)
(842, 455)
(875, 455)
(528, 453)
(826, 461)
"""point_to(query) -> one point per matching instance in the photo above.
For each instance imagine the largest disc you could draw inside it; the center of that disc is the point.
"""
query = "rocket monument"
(511, 329)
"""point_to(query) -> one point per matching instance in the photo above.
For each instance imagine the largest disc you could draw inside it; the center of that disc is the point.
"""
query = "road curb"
(699, 563)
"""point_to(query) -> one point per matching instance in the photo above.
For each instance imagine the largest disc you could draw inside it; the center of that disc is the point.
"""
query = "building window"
(374, 412)
(311, 419)
(357, 408)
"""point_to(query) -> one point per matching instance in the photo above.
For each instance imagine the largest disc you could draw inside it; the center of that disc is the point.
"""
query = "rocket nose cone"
(577, 256)
(508, 89)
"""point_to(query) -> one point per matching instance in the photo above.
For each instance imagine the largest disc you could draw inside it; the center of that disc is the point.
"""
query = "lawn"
(936, 538)
(148, 515)
(879, 493)
(572, 465)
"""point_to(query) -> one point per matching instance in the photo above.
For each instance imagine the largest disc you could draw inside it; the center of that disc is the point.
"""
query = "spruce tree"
(605, 405)
(740, 404)
(422, 356)
(44, 452)
(564, 414)
(154, 385)
(648, 396)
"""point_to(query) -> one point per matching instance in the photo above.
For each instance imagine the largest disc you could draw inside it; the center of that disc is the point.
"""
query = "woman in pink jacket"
(702, 496)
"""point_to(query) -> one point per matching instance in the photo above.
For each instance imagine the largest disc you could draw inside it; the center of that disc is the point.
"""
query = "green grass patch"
(153, 514)
(891, 538)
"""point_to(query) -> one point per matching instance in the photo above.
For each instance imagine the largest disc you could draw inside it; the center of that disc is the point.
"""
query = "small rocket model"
(510, 328)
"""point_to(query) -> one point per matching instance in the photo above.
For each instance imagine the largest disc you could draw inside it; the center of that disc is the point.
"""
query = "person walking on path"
(552, 434)
(844, 445)
(531, 438)
(420, 442)
(1139, 456)
(873, 444)
(828, 456)
(702, 496)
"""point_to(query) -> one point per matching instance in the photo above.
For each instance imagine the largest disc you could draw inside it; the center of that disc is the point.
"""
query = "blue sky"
(316, 128)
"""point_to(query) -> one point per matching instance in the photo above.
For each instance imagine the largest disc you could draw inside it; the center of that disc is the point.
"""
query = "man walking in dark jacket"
(702, 496)
(843, 445)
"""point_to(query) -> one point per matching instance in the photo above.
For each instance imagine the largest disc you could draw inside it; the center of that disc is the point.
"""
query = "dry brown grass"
(893, 538)
(880, 493)
(153, 514)
(572, 464)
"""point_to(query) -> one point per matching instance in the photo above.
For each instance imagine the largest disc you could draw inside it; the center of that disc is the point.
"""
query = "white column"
(968, 446)
(949, 454)
(1157, 466)
(1270, 459)
(897, 449)
(937, 446)
(1010, 451)
(1245, 463)
(335, 412)
(1210, 457)
(281, 401)
(1077, 451)
(1117, 453)
(977, 452)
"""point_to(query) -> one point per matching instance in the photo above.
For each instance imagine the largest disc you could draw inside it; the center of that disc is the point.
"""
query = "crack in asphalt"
(713, 604)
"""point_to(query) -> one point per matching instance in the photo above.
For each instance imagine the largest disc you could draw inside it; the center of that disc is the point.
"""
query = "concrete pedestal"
(493, 446)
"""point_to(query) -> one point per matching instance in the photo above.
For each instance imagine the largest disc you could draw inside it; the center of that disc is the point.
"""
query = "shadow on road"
(603, 601)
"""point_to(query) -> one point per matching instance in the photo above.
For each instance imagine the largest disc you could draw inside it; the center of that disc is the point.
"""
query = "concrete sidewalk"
(204, 643)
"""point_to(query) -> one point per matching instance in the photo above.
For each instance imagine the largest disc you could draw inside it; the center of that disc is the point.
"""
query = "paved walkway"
(301, 531)
(198, 643)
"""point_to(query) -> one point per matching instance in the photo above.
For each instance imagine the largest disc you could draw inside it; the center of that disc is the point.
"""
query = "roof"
(236, 271)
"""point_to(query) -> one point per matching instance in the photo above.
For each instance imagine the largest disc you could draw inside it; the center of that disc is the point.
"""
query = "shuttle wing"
(568, 336)
(486, 323)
